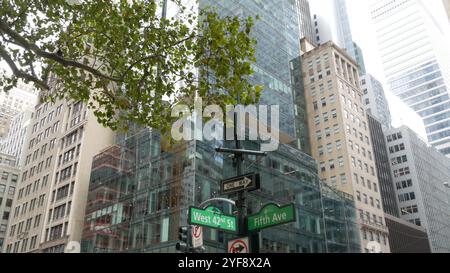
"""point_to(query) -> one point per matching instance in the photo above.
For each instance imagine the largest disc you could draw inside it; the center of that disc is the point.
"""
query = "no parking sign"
(197, 236)
(239, 245)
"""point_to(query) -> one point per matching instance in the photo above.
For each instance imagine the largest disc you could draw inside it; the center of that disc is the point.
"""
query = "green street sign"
(212, 217)
(271, 215)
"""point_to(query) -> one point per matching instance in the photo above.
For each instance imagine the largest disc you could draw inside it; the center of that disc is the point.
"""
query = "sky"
(364, 34)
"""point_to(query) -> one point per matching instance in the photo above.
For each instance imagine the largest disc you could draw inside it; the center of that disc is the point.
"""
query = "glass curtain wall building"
(141, 189)
(277, 34)
(340, 221)
(140, 192)
(416, 61)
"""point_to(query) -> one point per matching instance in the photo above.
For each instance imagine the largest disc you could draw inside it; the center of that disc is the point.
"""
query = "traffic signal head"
(183, 234)
(181, 246)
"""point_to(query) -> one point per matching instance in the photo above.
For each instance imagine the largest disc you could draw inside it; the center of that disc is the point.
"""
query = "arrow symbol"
(247, 182)
(238, 249)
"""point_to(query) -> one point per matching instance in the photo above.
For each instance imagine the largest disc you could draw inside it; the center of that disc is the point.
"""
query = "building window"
(5, 215)
(56, 232)
(332, 101)
(322, 167)
(319, 135)
(315, 105)
(355, 176)
(333, 181)
(325, 117)
(33, 242)
(317, 120)
(338, 145)
(331, 164)
(341, 161)
(336, 129)
(343, 179)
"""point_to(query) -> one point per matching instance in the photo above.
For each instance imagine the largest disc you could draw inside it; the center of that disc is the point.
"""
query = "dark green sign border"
(206, 226)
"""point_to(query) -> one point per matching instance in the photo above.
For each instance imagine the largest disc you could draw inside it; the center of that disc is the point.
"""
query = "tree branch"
(19, 73)
(19, 40)
(32, 70)
(156, 55)
(22, 13)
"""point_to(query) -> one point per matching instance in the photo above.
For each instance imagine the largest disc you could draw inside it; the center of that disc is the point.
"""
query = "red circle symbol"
(197, 232)
(238, 246)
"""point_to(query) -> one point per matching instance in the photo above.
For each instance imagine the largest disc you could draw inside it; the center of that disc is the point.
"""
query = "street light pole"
(164, 9)
(242, 198)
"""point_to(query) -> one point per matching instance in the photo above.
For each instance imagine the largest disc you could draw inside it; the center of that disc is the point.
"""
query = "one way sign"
(248, 182)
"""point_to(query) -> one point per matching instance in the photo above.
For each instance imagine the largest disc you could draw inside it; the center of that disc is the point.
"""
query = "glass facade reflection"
(414, 52)
(141, 189)
(341, 227)
(140, 192)
(278, 35)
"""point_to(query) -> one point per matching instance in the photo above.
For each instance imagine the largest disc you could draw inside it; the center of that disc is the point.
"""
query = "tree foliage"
(123, 59)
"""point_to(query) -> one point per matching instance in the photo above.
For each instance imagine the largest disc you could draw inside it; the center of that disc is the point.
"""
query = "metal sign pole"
(242, 200)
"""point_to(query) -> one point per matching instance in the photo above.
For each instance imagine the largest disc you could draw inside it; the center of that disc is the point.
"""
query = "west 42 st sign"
(212, 217)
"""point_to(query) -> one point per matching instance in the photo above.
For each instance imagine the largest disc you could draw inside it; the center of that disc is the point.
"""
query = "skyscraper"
(331, 23)
(359, 58)
(278, 36)
(305, 22)
(404, 237)
(9, 174)
(49, 205)
(12, 103)
(416, 60)
(383, 167)
(340, 137)
(420, 174)
(375, 101)
(14, 142)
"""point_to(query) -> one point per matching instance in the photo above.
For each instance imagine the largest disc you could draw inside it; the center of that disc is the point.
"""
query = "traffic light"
(184, 235)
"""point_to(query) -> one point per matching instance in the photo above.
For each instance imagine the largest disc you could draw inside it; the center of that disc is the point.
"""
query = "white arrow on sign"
(237, 184)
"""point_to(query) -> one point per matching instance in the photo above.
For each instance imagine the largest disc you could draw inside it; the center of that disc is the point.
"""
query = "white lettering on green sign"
(213, 218)
(271, 215)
